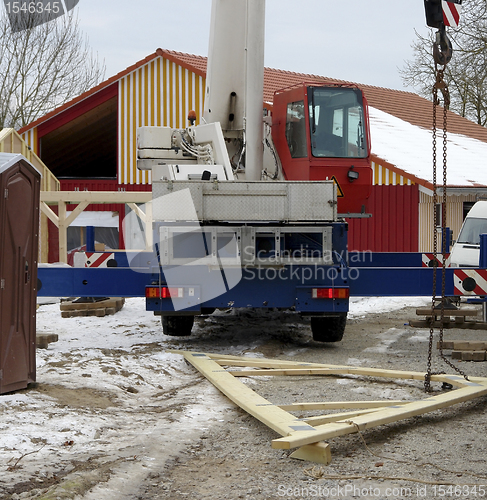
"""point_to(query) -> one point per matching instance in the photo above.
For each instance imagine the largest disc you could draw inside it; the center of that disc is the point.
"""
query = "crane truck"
(242, 227)
(250, 210)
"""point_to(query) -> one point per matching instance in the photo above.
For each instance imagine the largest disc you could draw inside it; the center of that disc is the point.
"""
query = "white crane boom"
(235, 76)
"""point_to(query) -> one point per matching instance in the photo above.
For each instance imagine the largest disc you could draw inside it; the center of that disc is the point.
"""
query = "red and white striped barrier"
(429, 258)
(470, 282)
(93, 259)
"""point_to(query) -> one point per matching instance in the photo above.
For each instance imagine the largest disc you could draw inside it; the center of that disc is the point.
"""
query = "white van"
(466, 250)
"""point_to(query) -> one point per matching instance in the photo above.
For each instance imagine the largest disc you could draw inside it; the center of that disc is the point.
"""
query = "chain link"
(440, 84)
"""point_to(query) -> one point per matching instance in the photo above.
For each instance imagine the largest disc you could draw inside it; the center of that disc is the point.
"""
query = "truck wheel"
(328, 328)
(177, 326)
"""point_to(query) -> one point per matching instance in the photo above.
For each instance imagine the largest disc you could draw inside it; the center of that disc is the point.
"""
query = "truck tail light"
(330, 293)
(163, 292)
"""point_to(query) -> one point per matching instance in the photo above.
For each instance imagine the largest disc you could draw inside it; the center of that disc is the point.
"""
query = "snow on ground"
(92, 382)
(360, 306)
(90, 386)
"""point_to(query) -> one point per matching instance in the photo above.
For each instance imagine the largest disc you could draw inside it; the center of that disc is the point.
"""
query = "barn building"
(90, 144)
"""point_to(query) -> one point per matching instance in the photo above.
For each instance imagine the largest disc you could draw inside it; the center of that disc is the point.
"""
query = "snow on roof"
(410, 148)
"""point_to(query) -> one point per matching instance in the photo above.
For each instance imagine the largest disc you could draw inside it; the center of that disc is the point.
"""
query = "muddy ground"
(147, 426)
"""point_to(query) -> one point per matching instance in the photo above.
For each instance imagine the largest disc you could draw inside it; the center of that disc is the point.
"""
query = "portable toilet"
(19, 235)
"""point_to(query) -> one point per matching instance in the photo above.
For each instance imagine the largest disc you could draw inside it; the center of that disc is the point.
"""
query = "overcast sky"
(364, 41)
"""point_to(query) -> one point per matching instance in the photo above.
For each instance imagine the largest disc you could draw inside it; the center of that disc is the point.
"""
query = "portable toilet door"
(19, 229)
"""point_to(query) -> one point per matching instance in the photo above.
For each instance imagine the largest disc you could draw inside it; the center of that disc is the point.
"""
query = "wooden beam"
(55, 197)
(63, 233)
(381, 417)
(279, 420)
(463, 345)
(318, 452)
(50, 214)
(146, 218)
(258, 363)
(280, 372)
(464, 311)
(339, 405)
(229, 360)
(72, 216)
(337, 417)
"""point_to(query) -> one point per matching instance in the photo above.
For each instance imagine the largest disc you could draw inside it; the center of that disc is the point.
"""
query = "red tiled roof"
(404, 105)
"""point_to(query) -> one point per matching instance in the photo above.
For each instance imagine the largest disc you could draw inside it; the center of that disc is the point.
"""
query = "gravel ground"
(137, 428)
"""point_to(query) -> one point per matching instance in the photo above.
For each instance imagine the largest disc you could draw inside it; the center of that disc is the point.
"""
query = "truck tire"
(328, 328)
(177, 326)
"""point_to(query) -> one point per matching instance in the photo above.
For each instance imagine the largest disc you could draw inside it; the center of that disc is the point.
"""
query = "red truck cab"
(321, 132)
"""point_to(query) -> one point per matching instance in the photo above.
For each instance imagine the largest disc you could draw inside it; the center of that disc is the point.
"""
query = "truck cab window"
(296, 129)
(337, 123)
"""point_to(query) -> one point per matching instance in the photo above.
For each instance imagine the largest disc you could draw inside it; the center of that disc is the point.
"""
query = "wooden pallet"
(308, 433)
(465, 350)
(44, 339)
(452, 318)
(72, 308)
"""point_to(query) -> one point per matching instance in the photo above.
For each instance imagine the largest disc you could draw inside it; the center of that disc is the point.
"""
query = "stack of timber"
(91, 307)
(44, 339)
(465, 350)
(452, 318)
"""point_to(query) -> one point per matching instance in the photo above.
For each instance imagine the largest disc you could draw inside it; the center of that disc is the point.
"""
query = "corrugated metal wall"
(393, 203)
(454, 217)
(394, 223)
(159, 93)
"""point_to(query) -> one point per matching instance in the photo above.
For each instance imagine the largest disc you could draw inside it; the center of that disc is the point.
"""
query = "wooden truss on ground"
(308, 434)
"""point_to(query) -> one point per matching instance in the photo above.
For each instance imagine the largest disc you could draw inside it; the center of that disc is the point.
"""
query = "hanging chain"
(441, 85)
(427, 377)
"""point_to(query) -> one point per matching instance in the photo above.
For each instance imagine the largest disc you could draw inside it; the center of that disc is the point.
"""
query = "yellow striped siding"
(159, 93)
(30, 138)
(454, 217)
(426, 215)
(382, 176)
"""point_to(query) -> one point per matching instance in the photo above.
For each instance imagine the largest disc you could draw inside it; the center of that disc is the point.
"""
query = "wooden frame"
(12, 142)
(84, 198)
(308, 434)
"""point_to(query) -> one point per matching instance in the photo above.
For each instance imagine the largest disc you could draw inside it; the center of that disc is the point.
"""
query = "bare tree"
(466, 74)
(43, 67)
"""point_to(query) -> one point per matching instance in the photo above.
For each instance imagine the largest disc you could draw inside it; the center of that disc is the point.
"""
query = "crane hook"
(442, 48)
